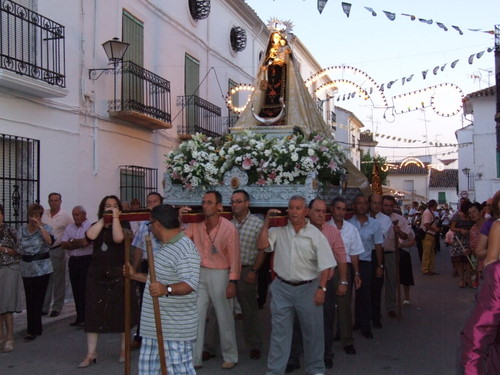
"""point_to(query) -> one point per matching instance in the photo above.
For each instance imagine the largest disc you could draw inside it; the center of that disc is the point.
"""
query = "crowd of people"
(210, 268)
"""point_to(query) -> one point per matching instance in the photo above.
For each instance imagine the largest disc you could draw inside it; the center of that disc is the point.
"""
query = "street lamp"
(466, 172)
(115, 50)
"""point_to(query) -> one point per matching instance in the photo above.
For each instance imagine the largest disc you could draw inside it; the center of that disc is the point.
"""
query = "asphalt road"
(424, 342)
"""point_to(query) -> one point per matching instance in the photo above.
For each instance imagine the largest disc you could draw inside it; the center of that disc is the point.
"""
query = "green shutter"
(442, 197)
(133, 33)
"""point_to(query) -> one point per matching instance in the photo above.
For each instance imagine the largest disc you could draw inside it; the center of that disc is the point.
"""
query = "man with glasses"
(218, 242)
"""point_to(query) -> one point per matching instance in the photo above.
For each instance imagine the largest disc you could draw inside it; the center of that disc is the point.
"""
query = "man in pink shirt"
(218, 243)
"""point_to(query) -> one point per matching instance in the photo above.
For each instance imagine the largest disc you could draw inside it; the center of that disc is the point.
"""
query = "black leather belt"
(294, 283)
(32, 258)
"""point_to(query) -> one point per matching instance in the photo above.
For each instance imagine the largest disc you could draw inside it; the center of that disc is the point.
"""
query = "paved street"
(426, 341)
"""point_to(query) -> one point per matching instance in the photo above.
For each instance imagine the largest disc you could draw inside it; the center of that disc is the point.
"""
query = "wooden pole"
(398, 287)
(127, 305)
(156, 307)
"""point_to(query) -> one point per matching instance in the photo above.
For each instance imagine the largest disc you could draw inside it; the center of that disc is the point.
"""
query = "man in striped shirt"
(177, 266)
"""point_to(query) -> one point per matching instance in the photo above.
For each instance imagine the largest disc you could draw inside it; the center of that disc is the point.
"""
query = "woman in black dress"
(105, 283)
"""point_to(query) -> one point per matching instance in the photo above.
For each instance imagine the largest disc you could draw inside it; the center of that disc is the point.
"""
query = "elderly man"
(218, 242)
(402, 229)
(80, 253)
(303, 260)
(58, 220)
(371, 235)
(177, 268)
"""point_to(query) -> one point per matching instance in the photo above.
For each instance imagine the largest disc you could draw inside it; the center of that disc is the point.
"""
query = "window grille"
(137, 182)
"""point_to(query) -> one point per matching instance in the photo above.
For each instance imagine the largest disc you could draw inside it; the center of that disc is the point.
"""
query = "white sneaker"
(406, 302)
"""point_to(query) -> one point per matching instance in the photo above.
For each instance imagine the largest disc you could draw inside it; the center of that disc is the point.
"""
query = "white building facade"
(79, 134)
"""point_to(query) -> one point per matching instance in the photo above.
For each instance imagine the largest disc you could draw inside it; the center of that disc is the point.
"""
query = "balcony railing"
(31, 44)
(144, 93)
(200, 116)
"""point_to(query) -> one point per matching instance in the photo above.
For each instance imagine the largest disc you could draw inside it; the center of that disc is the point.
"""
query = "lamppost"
(115, 50)
(466, 172)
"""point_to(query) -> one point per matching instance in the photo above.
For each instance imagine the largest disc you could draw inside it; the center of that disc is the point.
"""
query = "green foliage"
(367, 167)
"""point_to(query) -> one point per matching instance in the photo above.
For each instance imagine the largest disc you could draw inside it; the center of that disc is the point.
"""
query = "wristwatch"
(169, 290)
(322, 288)
(344, 283)
(381, 266)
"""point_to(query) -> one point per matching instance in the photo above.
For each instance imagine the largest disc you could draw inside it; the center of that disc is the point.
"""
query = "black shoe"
(367, 334)
(53, 314)
(77, 323)
(44, 313)
(291, 368)
(349, 349)
(377, 324)
(329, 363)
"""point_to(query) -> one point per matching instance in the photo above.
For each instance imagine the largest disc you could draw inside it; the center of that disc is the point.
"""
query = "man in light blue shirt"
(372, 238)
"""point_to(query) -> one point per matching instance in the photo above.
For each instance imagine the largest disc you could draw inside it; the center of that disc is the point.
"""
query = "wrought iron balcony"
(200, 116)
(145, 98)
(31, 44)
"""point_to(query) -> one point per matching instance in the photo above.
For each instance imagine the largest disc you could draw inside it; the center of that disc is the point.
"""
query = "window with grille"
(137, 182)
(19, 176)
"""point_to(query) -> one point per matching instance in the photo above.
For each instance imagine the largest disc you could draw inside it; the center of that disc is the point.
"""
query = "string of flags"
(346, 8)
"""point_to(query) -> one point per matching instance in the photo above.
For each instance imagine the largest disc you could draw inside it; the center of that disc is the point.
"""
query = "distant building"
(478, 177)
(443, 186)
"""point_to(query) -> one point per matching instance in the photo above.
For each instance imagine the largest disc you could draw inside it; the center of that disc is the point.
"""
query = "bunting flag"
(390, 15)
(374, 14)
(346, 7)
(454, 63)
(471, 59)
(424, 73)
(321, 5)
(412, 140)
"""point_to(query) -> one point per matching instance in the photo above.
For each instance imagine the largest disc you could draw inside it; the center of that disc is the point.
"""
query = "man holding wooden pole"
(177, 269)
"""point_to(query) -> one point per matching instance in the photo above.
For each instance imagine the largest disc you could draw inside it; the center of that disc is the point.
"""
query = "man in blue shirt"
(372, 238)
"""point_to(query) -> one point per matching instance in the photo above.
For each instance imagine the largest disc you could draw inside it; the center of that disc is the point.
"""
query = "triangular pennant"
(490, 49)
(321, 5)
(382, 87)
(409, 78)
(442, 68)
(424, 73)
(371, 11)
(474, 30)
(442, 26)
(412, 17)
(480, 54)
(458, 29)
(346, 7)
(471, 59)
(454, 63)
(492, 32)
(423, 20)
(389, 85)
(435, 70)
(390, 15)
(403, 80)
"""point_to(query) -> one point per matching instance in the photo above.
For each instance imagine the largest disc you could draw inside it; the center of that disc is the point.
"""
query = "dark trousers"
(376, 290)
(263, 280)
(35, 289)
(329, 313)
(363, 299)
(140, 291)
(78, 267)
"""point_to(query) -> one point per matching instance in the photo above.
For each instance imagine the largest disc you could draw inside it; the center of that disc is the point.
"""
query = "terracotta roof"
(490, 91)
(447, 178)
(409, 169)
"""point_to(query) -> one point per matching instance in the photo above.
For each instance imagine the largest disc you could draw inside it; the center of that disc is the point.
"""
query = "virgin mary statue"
(280, 97)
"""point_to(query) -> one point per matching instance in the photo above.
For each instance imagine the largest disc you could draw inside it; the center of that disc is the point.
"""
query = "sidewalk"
(68, 311)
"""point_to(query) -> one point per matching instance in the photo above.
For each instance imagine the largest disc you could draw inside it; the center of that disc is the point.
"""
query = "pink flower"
(261, 181)
(247, 163)
(272, 175)
(332, 165)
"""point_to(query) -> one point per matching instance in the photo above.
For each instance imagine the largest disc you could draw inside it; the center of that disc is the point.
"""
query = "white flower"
(295, 157)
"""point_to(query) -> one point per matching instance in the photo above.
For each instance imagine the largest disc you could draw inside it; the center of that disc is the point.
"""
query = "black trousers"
(35, 289)
(140, 291)
(376, 290)
(78, 267)
(363, 299)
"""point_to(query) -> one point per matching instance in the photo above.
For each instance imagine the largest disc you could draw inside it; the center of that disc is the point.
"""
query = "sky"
(390, 50)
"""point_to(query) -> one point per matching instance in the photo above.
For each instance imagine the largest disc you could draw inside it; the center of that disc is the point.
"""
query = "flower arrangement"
(203, 161)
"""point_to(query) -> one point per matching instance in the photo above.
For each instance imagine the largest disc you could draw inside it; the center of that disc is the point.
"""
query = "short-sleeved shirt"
(78, 232)
(58, 223)
(352, 240)
(334, 238)
(220, 249)
(371, 235)
(486, 227)
(300, 256)
(176, 261)
(140, 239)
(389, 240)
(427, 218)
(33, 244)
(248, 230)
